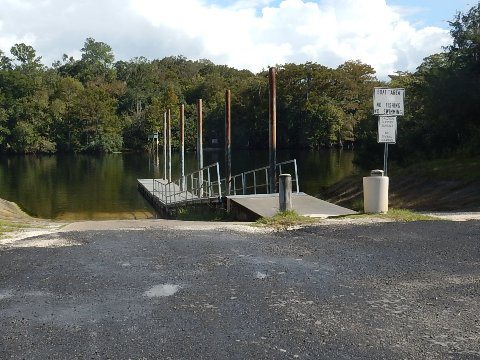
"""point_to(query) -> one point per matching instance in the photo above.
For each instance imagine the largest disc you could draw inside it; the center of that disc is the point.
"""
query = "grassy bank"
(7, 227)
(439, 185)
(290, 219)
(13, 219)
(284, 220)
(462, 169)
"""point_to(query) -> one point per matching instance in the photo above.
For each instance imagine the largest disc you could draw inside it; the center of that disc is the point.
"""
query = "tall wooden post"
(200, 143)
(169, 127)
(228, 141)
(272, 129)
(182, 145)
(165, 145)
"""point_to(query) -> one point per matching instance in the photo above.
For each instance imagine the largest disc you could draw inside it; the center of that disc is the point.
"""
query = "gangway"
(205, 186)
(201, 186)
(257, 181)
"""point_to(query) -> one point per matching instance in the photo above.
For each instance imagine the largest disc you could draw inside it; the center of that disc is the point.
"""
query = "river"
(80, 187)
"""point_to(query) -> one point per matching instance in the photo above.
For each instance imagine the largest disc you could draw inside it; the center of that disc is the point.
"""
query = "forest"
(97, 104)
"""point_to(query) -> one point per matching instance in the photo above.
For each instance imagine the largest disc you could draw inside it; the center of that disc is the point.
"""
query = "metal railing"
(198, 186)
(257, 181)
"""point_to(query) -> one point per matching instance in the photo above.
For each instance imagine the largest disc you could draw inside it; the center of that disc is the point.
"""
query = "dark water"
(104, 187)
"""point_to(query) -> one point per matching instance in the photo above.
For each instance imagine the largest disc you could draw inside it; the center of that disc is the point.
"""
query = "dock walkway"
(205, 187)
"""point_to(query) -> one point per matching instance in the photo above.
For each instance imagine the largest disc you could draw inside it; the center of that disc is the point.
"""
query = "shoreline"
(30, 227)
(25, 237)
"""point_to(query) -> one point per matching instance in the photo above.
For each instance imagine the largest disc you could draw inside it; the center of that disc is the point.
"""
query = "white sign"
(388, 101)
(387, 129)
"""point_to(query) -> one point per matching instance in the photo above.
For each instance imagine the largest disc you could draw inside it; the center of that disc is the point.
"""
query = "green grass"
(356, 204)
(397, 215)
(284, 220)
(462, 172)
(288, 219)
(463, 169)
(10, 226)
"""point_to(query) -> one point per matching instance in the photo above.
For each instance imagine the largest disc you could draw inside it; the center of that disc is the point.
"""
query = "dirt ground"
(171, 290)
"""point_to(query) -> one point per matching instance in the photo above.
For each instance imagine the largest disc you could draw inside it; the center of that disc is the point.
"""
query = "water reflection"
(104, 187)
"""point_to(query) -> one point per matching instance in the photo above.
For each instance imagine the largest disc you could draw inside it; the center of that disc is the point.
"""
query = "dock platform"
(242, 207)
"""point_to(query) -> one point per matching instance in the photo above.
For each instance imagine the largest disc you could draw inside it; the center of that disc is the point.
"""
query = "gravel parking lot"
(342, 291)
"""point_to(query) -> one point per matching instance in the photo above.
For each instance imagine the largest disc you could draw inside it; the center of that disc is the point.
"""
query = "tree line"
(97, 104)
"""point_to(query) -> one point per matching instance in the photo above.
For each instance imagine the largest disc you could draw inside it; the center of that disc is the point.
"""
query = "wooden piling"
(182, 145)
(200, 141)
(165, 145)
(169, 136)
(228, 141)
(272, 128)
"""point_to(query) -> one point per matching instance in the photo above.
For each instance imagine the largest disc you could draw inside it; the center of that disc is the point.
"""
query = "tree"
(97, 127)
(97, 61)
(465, 31)
(26, 57)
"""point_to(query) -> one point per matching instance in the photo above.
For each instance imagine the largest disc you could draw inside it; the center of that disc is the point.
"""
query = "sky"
(390, 35)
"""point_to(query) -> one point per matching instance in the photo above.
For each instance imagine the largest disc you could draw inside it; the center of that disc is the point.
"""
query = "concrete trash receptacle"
(375, 192)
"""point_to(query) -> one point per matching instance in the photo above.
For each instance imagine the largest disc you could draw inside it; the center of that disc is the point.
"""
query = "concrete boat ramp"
(252, 207)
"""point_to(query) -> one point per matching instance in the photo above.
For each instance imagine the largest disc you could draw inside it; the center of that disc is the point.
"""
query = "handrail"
(190, 188)
(256, 185)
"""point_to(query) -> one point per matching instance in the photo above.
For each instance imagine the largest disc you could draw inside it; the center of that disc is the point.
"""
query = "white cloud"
(251, 34)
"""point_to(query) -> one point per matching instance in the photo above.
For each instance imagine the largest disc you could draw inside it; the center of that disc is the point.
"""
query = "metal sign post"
(388, 104)
(387, 134)
(385, 160)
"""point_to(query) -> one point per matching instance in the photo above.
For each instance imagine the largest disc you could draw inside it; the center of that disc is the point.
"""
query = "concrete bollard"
(285, 192)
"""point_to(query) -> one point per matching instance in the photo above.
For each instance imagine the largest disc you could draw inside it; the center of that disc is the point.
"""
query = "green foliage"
(442, 102)
(95, 104)
(7, 226)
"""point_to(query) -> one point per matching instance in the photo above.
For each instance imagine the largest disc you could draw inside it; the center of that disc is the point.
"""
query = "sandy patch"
(137, 225)
(456, 216)
(42, 242)
(35, 237)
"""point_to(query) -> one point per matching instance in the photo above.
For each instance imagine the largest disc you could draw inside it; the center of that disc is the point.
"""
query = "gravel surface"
(342, 291)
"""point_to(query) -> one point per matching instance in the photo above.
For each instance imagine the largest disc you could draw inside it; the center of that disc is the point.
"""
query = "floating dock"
(242, 207)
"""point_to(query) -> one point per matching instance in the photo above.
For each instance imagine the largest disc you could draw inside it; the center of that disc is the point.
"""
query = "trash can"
(375, 192)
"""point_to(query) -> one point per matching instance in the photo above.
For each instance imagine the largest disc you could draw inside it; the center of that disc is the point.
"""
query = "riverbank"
(448, 185)
(22, 231)
(446, 189)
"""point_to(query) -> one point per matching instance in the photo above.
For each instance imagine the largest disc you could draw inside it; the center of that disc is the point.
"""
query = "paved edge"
(52, 227)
